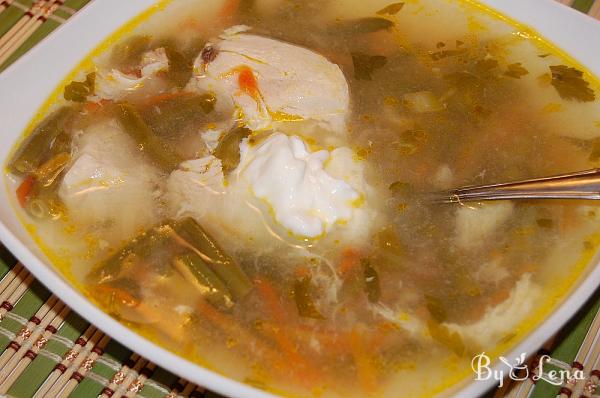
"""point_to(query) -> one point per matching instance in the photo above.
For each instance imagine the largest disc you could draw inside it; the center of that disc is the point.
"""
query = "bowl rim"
(76, 33)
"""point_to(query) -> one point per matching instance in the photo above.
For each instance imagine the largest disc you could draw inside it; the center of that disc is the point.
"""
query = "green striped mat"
(95, 365)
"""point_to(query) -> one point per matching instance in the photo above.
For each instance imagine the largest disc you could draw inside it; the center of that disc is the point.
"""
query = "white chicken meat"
(266, 81)
(114, 85)
(110, 185)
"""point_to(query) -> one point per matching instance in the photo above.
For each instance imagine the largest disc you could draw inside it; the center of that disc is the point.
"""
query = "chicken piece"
(503, 319)
(268, 81)
(475, 224)
(197, 181)
(110, 185)
(115, 85)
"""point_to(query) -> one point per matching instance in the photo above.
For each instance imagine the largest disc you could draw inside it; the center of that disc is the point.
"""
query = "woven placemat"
(47, 350)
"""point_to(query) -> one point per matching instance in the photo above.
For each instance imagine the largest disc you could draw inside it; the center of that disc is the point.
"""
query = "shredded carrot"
(24, 190)
(366, 372)
(302, 272)
(230, 327)
(122, 295)
(271, 300)
(247, 82)
(192, 24)
(93, 107)
(350, 261)
(163, 97)
(230, 8)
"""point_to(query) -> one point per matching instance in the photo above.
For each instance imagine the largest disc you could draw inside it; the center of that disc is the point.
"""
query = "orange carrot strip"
(229, 326)
(367, 374)
(247, 82)
(269, 295)
(24, 190)
(93, 107)
(230, 8)
(164, 97)
(350, 261)
(302, 272)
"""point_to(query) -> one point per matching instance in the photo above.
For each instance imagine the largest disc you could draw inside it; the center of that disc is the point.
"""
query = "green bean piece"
(228, 149)
(195, 270)
(44, 203)
(139, 248)
(48, 172)
(181, 67)
(304, 302)
(36, 148)
(436, 308)
(79, 91)
(61, 144)
(217, 260)
(446, 337)
(362, 26)
(149, 143)
(371, 278)
(128, 53)
(170, 117)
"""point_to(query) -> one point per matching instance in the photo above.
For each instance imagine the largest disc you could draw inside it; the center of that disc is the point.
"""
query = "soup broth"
(246, 183)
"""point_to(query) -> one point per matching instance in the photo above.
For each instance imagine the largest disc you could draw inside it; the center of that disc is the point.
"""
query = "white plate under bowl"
(26, 84)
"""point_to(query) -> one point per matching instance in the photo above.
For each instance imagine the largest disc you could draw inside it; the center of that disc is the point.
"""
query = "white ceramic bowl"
(25, 86)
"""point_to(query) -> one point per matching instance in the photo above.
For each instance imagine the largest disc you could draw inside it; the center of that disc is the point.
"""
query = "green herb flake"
(544, 223)
(516, 71)
(79, 91)
(365, 65)
(484, 66)
(392, 9)
(570, 84)
(362, 26)
(371, 278)
(438, 55)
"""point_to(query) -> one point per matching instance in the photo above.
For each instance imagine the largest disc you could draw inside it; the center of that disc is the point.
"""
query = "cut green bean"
(36, 148)
(139, 248)
(229, 148)
(48, 172)
(217, 260)
(171, 117)
(128, 53)
(149, 143)
(195, 270)
(304, 302)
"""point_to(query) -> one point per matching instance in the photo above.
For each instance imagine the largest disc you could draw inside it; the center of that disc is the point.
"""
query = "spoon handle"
(578, 185)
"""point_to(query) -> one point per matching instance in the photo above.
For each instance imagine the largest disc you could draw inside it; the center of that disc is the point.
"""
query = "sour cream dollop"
(304, 198)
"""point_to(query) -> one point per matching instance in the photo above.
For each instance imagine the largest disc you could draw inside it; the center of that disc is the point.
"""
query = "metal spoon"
(578, 185)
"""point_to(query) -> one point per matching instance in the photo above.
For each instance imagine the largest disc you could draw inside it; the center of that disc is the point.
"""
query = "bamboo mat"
(48, 351)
